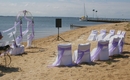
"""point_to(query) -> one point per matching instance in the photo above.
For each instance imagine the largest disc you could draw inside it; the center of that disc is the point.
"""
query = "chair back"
(83, 53)
(102, 31)
(93, 35)
(118, 32)
(101, 51)
(123, 33)
(64, 56)
(113, 46)
(102, 35)
(112, 32)
(116, 39)
(104, 53)
(103, 43)
(121, 44)
(94, 32)
(84, 47)
(64, 47)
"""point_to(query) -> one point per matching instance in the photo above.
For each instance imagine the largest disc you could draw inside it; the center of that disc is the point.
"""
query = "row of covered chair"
(94, 36)
(102, 51)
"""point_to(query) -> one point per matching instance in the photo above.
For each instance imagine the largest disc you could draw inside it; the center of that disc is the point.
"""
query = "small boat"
(85, 17)
(77, 26)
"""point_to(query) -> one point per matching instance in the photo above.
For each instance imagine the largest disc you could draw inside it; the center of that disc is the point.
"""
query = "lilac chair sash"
(80, 55)
(121, 46)
(99, 48)
(113, 46)
(60, 55)
(112, 32)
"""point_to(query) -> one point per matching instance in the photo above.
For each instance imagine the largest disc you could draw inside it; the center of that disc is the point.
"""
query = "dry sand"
(33, 65)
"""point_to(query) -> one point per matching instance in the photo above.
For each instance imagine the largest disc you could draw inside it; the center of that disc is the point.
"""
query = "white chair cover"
(121, 44)
(119, 32)
(123, 33)
(64, 56)
(121, 41)
(93, 35)
(16, 49)
(111, 33)
(113, 46)
(102, 35)
(101, 52)
(82, 54)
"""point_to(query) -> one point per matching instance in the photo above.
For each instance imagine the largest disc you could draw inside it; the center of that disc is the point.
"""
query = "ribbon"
(30, 23)
(30, 37)
(99, 48)
(33, 27)
(15, 25)
(60, 55)
(19, 22)
(113, 47)
(80, 55)
(121, 43)
(20, 37)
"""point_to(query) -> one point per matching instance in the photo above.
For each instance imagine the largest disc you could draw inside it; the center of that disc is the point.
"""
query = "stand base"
(58, 38)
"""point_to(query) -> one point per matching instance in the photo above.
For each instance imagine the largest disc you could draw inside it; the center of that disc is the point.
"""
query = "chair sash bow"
(113, 46)
(98, 49)
(60, 55)
(80, 55)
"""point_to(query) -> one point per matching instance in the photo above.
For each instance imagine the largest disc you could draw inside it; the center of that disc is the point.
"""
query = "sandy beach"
(34, 64)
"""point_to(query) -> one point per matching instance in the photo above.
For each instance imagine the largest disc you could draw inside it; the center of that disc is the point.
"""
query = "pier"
(112, 20)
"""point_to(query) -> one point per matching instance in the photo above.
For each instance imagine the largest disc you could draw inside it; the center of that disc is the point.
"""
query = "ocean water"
(44, 26)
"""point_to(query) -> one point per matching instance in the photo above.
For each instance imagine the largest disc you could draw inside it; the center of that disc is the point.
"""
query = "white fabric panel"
(100, 53)
(66, 58)
(116, 49)
(86, 56)
(111, 33)
(93, 35)
(102, 35)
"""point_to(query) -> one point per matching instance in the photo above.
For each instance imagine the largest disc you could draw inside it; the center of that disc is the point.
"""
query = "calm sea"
(44, 26)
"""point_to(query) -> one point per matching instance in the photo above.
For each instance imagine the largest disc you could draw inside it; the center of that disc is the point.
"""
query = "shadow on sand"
(4, 70)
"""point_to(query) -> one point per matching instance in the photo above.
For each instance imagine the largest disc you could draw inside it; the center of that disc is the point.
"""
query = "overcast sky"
(67, 8)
